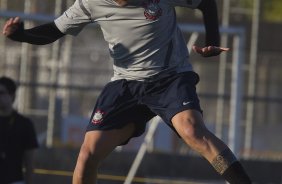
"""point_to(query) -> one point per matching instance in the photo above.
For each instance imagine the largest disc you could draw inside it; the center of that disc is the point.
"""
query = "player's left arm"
(210, 16)
(39, 35)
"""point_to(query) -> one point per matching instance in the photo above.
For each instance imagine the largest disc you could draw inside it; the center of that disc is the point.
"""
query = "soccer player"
(152, 76)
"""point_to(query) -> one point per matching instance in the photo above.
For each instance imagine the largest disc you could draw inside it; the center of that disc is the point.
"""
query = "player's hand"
(11, 26)
(209, 51)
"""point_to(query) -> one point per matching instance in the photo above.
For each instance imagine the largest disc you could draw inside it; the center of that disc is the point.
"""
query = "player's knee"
(87, 156)
(194, 133)
(86, 165)
(196, 138)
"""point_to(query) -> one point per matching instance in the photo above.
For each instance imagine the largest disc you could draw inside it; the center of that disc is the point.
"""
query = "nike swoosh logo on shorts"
(186, 103)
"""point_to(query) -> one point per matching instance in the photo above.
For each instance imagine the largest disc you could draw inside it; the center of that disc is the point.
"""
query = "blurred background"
(240, 93)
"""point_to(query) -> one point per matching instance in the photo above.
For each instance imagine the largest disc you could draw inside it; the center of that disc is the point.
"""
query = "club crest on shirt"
(98, 117)
(152, 9)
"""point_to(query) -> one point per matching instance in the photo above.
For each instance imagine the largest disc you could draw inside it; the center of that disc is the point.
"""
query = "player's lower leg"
(86, 167)
(189, 124)
(226, 164)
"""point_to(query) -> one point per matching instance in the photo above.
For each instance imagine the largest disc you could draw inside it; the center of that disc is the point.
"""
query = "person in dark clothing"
(17, 138)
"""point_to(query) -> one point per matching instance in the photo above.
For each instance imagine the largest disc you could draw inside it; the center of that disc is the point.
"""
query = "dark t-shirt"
(17, 135)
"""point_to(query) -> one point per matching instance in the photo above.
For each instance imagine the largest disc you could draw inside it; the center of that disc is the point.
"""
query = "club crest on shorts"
(98, 117)
(152, 9)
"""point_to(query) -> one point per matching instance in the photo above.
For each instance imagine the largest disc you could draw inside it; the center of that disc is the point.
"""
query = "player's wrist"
(18, 34)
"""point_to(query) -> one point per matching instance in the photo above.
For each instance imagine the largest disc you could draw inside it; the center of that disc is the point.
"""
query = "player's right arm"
(212, 48)
(40, 35)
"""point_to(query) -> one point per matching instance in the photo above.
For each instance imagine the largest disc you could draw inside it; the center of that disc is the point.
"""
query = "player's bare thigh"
(101, 143)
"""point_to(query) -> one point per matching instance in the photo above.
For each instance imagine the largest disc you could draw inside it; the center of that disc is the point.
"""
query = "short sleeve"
(73, 20)
(185, 3)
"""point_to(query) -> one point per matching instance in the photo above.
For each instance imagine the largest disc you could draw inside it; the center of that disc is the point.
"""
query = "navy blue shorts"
(122, 101)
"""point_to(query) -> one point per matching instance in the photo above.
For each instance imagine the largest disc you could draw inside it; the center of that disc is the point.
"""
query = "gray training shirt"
(143, 36)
